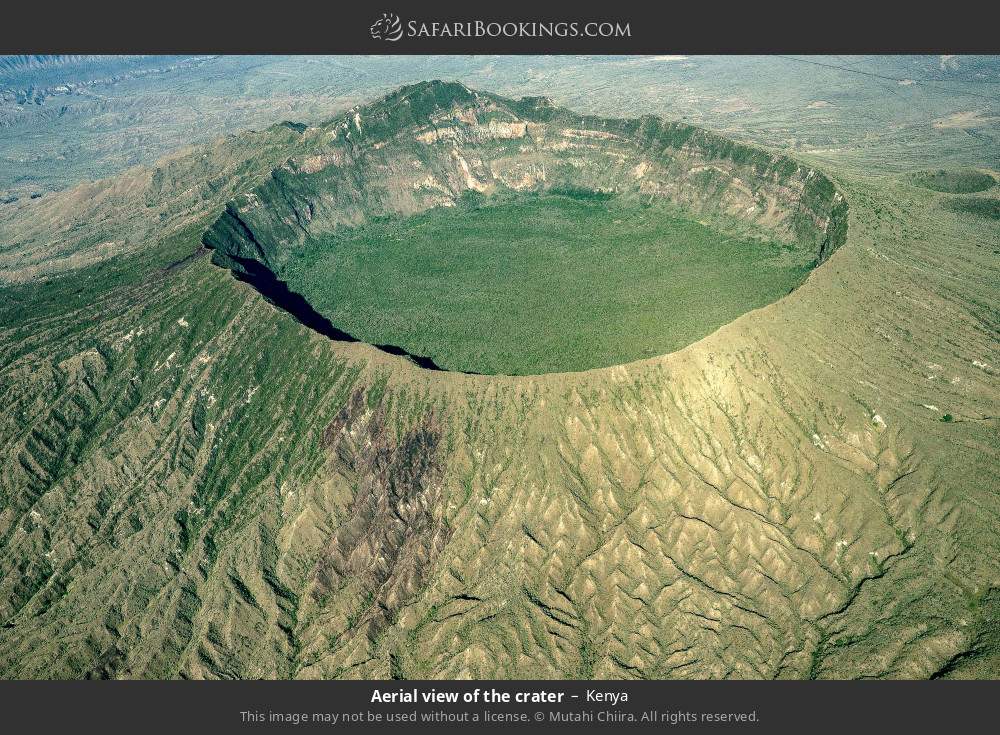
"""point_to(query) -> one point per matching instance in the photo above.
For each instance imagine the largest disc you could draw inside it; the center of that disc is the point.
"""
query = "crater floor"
(531, 284)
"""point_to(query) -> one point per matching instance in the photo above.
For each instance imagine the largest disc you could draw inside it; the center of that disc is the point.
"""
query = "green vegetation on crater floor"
(540, 283)
(962, 181)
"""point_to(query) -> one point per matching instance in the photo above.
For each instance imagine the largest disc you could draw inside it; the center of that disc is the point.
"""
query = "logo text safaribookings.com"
(390, 28)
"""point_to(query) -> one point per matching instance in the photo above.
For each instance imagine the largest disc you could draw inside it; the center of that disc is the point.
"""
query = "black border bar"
(246, 707)
(340, 27)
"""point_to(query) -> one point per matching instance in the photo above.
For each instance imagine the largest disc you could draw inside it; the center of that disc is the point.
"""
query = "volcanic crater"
(475, 233)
